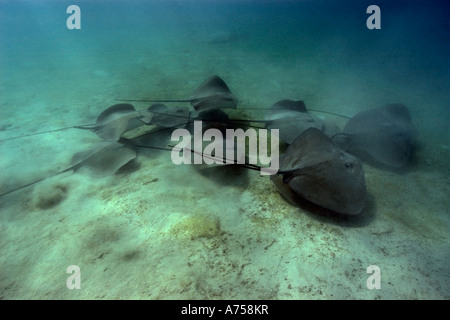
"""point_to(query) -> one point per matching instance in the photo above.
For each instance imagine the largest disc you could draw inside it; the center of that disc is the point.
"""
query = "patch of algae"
(197, 226)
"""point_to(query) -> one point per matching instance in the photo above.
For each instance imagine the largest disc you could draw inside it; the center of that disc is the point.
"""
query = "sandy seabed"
(156, 230)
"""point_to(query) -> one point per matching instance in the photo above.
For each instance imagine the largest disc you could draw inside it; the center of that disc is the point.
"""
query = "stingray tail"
(34, 182)
(145, 100)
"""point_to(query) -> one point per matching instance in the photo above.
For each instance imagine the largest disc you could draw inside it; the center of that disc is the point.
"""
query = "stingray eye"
(349, 165)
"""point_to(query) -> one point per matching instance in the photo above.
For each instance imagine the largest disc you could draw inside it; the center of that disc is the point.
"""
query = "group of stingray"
(321, 164)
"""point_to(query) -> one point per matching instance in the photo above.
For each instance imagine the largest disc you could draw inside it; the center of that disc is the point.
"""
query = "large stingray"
(320, 172)
(111, 124)
(292, 119)
(102, 160)
(213, 93)
(385, 133)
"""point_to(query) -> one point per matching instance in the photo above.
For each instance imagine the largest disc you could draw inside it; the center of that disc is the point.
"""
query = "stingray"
(213, 93)
(314, 168)
(102, 160)
(113, 122)
(292, 119)
(386, 134)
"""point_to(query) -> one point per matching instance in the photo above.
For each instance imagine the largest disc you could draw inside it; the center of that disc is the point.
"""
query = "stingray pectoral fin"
(102, 160)
(145, 116)
(285, 190)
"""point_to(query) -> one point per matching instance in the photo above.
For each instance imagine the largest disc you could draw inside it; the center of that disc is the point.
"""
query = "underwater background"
(159, 231)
